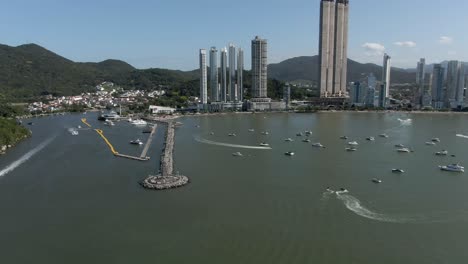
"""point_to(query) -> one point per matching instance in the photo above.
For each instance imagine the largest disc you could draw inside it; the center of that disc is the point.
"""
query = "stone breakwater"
(167, 179)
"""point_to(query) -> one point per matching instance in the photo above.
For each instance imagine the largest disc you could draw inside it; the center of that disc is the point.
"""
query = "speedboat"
(74, 133)
(136, 142)
(383, 135)
(430, 143)
(353, 143)
(442, 153)
(351, 149)
(397, 171)
(370, 138)
(265, 133)
(308, 133)
(237, 154)
(251, 130)
(404, 150)
(435, 140)
(289, 153)
(288, 140)
(231, 135)
(342, 191)
(306, 140)
(139, 122)
(375, 180)
(344, 137)
(453, 168)
(299, 134)
(318, 145)
(263, 144)
(399, 145)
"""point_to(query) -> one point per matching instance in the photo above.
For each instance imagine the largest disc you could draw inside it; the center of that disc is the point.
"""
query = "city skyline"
(104, 30)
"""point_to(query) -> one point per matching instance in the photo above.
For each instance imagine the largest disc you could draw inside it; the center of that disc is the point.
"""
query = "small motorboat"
(430, 143)
(453, 168)
(289, 140)
(398, 171)
(265, 133)
(351, 149)
(442, 153)
(399, 145)
(383, 135)
(299, 134)
(308, 133)
(370, 139)
(232, 135)
(289, 153)
(341, 191)
(251, 130)
(237, 154)
(375, 180)
(318, 145)
(343, 137)
(263, 144)
(306, 140)
(435, 140)
(353, 143)
(79, 127)
(74, 133)
(404, 150)
(136, 142)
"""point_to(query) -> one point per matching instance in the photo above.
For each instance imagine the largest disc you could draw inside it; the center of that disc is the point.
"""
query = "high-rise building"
(356, 93)
(455, 84)
(420, 81)
(385, 87)
(259, 69)
(370, 95)
(223, 79)
(214, 74)
(240, 74)
(203, 78)
(232, 74)
(437, 86)
(333, 47)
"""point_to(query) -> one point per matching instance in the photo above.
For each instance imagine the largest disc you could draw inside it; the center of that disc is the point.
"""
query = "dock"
(148, 142)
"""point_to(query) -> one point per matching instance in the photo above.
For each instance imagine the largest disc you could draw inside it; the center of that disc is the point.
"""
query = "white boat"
(353, 143)
(343, 137)
(265, 133)
(308, 133)
(139, 122)
(237, 154)
(370, 139)
(404, 150)
(299, 134)
(430, 143)
(109, 123)
(435, 140)
(79, 127)
(74, 133)
(231, 135)
(442, 153)
(306, 140)
(375, 180)
(351, 149)
(136, 142)
(289, 153)
(383, 135)
(251, 130)
(318, 145)
(263, 144)
(453, 168)
(399, 145)
(289, 140)
(398, 171)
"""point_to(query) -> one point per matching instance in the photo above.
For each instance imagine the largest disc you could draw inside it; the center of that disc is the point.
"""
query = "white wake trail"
(201, 140)
(462, 136)
(25, 157)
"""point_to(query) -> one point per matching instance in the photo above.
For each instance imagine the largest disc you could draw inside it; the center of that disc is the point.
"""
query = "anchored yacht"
(138, 122)
(430, 143)
(370, 139)
(383, 135)
(289, 140)
(136, 142)
(398, 171)
(353, 143)
(237, 154)
(318, 145)
(404, 150)
(399, 145)
(306, 140)
(375, 180)
(435, 140)
(289, 153)
(231, 135)
(263, 144)
(453, 168)
(343, 137)
(351, 149)
(442, 153)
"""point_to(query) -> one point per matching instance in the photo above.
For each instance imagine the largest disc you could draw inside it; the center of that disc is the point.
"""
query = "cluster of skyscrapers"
(448, 92)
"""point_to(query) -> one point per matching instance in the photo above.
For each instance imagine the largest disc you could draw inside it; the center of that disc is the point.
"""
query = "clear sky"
(168, 33)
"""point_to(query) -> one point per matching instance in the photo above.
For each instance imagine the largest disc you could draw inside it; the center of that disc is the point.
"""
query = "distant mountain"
(306, 68)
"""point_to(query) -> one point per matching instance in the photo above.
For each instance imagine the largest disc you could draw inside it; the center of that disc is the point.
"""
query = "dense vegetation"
(11, 132)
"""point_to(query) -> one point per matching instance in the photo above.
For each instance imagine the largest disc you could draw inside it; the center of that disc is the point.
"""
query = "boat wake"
(462, 136)
(206, 141)
(406, 122)
(25, 157)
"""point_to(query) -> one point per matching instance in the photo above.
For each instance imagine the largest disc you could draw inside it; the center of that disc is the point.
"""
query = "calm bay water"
(73, 202)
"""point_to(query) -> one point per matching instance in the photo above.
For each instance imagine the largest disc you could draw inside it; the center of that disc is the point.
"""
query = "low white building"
(154, 109)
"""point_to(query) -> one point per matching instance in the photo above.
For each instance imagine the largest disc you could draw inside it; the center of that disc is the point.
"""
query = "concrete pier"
(148, 143)
(167, 179)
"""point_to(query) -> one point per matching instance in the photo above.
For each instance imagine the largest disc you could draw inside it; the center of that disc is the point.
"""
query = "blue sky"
(168, 34)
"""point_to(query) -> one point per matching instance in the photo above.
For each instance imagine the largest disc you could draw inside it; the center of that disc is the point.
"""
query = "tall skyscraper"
(437, 86)
(455, 84)
(420, 81)
(385, 87)
(259, 69)
(203, 78)
(223, 84)
(370, 95)
(240, 74)
(232, 74)
(214, 74)
(356, 93)
(333, 47)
